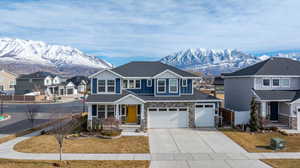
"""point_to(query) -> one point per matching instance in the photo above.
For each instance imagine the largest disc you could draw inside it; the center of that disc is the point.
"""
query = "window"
(184, 83)
(101, 85)
(275, 82)
(209, 106)
(110, 110)
(161, 86)
(101, 111)
(183, 109)
(284, 82)
(266, 82)
(110, 85)
(131, 84)
(12, 84)
(149, 83)
(125, 83)
(173, 85)
(162, 109)
(138, 84)
(199, 106)
(152, 109)
(172, 109)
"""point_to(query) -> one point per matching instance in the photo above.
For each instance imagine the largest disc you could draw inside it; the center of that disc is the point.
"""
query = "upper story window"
(184, 82)
(266, 82)
(161, 86)
(173, 85)
(106, 86)
(284, 82)
(275, 82)
(132, 84)
(149, 83)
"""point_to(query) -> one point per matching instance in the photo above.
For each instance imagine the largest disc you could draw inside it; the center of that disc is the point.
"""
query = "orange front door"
(132, 114)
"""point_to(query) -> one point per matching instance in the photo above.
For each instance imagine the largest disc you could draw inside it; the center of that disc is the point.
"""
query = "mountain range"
(27, 56)
(216, 61)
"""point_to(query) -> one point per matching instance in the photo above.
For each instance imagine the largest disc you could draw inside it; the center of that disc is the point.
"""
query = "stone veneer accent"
(191, 109)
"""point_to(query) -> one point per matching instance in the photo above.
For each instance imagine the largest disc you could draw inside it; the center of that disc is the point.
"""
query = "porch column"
(263, 109)
(117, 112)
(90, 117)
(142, 112)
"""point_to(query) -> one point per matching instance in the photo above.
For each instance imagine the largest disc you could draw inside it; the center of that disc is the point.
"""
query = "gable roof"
(148, 69)
(271, 66)
(39, 74)
(76, 80)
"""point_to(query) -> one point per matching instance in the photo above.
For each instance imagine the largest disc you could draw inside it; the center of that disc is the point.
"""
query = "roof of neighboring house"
(39, 74)
(288, 95)
(76, 80)
(197, 96)
(148, 69)
(271, 66)
(218, 81)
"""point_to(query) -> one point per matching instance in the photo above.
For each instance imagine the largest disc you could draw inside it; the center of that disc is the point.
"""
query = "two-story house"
(150, 94)
(7, 82)
(275, 83)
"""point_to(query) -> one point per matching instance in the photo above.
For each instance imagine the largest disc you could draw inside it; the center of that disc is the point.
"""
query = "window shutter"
(94, 85)
(94, 110)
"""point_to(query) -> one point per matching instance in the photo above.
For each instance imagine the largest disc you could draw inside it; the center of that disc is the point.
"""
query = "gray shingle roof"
(288, 95)
(147, 69)
(111, 98)
(39, 74)
(271, 66)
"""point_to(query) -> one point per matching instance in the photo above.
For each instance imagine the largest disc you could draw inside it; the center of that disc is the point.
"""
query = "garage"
(168, 117)
(205, 115)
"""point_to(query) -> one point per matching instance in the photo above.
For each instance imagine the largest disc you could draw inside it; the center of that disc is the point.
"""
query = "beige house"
(7, 81)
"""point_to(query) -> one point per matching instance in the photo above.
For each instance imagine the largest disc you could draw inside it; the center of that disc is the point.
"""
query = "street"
(46, 112)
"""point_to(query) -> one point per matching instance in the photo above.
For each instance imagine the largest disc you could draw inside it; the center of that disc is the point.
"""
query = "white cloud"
(154, 28)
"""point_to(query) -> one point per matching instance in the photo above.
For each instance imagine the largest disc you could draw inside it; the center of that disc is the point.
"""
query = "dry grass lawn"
(48, 144)
(283, 163)
(4, 163)
(250, 142)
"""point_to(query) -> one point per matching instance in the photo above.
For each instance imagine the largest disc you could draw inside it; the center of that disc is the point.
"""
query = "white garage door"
(205, 115)
(168, 117)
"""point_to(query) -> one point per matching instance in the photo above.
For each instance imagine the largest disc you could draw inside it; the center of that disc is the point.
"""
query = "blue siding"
(189, 88)
(94, 85)
(167, 93)
(144, 89)
(118, 85)
(94, 110)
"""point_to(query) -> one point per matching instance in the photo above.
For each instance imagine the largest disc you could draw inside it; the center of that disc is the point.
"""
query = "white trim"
(147, 83)
(146, 101)
(95, 74)
(262, 76)
(157, 88)
(130, 95)
(167, 70)
(176, 83)
(182, 83)
(106, 86)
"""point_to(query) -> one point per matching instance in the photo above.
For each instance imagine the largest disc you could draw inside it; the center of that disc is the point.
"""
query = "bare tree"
(32, 112)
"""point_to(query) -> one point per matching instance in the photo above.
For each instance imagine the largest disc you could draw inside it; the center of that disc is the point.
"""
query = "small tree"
(32, 112)
(253, 116)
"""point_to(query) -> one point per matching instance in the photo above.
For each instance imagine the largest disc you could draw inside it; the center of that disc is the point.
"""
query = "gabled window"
(184, 83)
(161, 86)
(131, 84)
(173, 85)
(149, 83)
(266, 82)
(101, 85)
(110, 85)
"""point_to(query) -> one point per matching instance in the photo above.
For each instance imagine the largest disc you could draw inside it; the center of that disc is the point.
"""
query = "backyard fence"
(21, 98)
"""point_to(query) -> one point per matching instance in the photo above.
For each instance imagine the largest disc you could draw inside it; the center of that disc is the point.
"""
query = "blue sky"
(124, 30)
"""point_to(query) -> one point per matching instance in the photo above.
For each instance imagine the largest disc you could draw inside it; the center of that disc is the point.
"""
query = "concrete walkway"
(180, 154)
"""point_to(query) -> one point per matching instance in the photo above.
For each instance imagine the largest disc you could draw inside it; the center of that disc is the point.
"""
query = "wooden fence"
(22, 98)
(227, 117)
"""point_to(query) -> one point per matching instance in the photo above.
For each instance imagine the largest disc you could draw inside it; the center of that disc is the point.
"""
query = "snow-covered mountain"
(37, 55)
(216, 61)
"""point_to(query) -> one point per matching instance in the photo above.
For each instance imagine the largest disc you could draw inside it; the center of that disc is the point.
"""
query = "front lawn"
(6, 163)
(48, 144)
(259, 142)
(283, 163)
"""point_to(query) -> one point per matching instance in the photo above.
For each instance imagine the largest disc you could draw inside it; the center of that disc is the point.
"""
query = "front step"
(130, 127)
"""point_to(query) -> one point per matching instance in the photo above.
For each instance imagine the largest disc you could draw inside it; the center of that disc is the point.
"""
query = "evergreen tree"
(253, 116)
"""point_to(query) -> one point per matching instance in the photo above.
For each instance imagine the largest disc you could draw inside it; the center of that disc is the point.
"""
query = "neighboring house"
(275, 83)
(152, 95)
(219, 87)
(35, 82)
(80, 84)
(7, 82)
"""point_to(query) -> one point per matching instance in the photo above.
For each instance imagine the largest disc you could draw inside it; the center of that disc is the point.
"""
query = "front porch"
(277, 114)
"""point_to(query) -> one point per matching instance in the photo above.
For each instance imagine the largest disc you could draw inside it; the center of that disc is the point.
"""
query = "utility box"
(277, 144)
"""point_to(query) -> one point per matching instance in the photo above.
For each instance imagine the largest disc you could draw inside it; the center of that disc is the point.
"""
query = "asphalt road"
(46, 112)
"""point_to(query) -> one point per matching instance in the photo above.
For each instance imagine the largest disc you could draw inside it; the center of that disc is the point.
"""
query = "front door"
(274, 111)
(131, 114)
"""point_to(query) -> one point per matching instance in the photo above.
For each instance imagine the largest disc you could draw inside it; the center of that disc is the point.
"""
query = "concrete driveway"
(192, 148)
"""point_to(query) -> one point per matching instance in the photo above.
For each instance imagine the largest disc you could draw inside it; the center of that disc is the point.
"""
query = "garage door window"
(172, 109)
(152, 109)
(199, 106)
(183, 109)
(209, 106)
(162, 109)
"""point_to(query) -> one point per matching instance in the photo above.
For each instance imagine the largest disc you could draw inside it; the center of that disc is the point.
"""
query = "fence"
(227, 117)
(22, 98)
